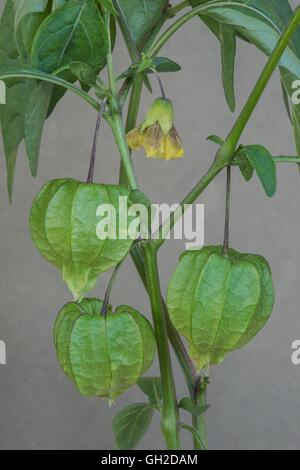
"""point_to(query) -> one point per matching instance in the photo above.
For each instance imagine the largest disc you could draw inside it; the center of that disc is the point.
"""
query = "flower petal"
(173, 145)
(135, 138)
(154, 142)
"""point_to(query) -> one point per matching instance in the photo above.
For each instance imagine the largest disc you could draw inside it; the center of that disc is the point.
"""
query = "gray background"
(255, 391)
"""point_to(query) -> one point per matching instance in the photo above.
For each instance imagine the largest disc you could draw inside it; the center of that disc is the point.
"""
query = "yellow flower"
(157, 133)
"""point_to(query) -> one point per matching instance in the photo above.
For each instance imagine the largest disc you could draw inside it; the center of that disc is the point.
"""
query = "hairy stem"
(170, 419)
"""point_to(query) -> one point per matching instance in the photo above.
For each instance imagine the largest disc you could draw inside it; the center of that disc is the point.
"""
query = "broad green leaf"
(84, 73)
(141, 16)
(255, 27)
(8, 48)
(29, 27)
(263, 163)
(16, 69)
(73, 32)
(59, 3)
(152, 387)
(29, 14)
(228, 50)
(108, 5)
(130, 424)
(35, 115)
(188, 405)
(17, 90)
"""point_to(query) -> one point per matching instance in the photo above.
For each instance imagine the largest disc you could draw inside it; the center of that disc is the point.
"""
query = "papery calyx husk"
(219, 303)
(103, 355)
(67, 230)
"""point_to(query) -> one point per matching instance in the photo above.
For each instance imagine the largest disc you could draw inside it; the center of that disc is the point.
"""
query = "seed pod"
(103, 355)
(219, 303)
(70, 233)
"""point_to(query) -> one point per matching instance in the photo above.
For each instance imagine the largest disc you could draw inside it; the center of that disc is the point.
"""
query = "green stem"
(227, 212)
(133, 108)
(199, 422)
(108, 290)
(116, 124)
(172, 11)
(117, 127)
(189, 199)
(175, 26)
(170, 419)
(183, 358)
(226, 151)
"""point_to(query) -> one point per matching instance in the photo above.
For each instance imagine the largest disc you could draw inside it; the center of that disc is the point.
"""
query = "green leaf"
(188, 405)
(108, 5)
(29, 14)
(263, 163)
(246, 167)
(216, 139)
(163, 64)
(17, 89)
(59, 3)
(228, 51)
(73, 32)
(84, 73)
(256, 28)
(8, 48)
(35, 116)
(152, 387)
(130, 424)
(141, 16)
(16, 69)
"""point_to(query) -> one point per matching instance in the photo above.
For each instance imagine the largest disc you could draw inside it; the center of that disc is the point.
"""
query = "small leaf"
(163, 64)
(188, 405)
(245, 168)
(214, 138)
(228, 51)
(152, 387)
(263, 163)
(130, 424)
(35, 116)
